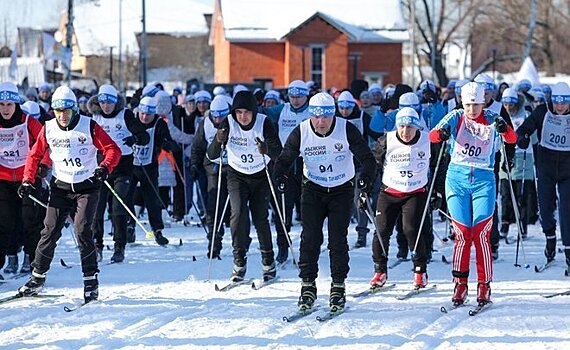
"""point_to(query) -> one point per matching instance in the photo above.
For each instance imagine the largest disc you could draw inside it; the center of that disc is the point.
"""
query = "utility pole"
(531, 28)
(413, 41)
(120, 78)
(111, 65)
(143, 44)
(433, 43)
(68, 43)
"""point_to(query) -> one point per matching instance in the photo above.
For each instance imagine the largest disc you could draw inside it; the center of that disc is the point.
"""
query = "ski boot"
(550, 250)
(379, 280)
(308, 295)
(90, 288)
(420, 280)
(460, 292)
(34, 285)
(12, 266)
(361, 240)
(269, 272)
(337, 298)
(159, 238)
(118, 254)
(26, 268)
(504, 231)
(238, 273)
(483, 293)
(282, 253)
(131, 235)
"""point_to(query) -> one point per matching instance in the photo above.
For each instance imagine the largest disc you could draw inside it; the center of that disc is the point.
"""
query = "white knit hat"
(9, 92)
(219, 90)
(510, 96)
(345, 100)
(409, 99)
(297, 88)
(472, 93)
(63, 98)
(219, 107)
(272, 95)
(150, 90)
(486, 81)
(31, 108)
(560, 93)
(147, 105)
(202, 95)
(108, 93)
(322, 105)
(427, 84)
(408, 116)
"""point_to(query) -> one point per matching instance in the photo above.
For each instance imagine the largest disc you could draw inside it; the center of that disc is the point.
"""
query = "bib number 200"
(557, 138)
(73, 162)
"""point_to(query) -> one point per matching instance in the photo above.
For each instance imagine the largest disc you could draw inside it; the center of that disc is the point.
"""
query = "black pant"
(317, 204)
(249, 191)
(524, 201)
(211, 206)
(62, 203)
(292, 195)
(390, 207)
(148, 178)
(119, 216)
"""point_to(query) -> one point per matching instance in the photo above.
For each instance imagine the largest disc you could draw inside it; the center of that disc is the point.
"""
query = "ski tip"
(216, 287)
(536, 269)
(67, 309)
(253, 286)
(443, 309)
(193, 257)
(180, 242)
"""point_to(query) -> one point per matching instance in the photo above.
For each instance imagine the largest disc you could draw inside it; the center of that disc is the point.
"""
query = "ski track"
(158, 298)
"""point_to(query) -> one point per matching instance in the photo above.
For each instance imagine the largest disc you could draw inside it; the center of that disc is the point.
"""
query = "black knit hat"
(245, 99)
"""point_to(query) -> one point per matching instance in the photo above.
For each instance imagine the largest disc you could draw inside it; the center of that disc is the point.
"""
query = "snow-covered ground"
(158, 298)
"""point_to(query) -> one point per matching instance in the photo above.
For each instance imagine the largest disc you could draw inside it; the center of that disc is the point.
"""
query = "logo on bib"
(83, 151)
(338, 147)
(82, 139)
(20, 133)
(421, 154)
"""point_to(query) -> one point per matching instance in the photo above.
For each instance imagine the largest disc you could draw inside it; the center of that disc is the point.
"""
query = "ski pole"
(221, 222)
(37, 201)
(368, 210)
(521, 199)
(218, 193)
(192, 200)
(515, 207)
(147, 233)
(257, 140)
(426, 206)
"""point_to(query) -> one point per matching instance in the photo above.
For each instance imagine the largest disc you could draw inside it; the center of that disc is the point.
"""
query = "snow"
(97, 23)
(364, 20)
(158, 298)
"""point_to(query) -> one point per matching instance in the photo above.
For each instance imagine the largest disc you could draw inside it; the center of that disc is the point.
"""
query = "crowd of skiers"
(395, 154)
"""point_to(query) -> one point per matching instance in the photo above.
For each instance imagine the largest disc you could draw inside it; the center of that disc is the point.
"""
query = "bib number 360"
(471, 150)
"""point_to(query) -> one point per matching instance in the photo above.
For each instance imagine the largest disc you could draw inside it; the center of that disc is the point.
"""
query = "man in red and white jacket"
(18, 132)
(72, 141)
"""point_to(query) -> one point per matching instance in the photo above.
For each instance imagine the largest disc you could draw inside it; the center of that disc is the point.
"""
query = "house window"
(317, 64)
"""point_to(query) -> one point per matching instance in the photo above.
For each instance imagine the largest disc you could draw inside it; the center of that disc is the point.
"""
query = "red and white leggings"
(480, 236)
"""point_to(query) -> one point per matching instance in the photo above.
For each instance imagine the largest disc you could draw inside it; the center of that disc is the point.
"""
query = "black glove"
(194, 173)
(222, 136)
(42, 171)
(25, 189)
(170, 146)
(430, 96)
(363, 202)
(501, 125)
(261, 146)
(281, 183)
(130, 140)
(435, 200)
(101, 173)
(364, 184)
(444, 133)
(523, 142)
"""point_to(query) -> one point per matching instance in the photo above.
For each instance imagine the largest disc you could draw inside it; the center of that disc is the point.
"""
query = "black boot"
(34, 284)
(159, 238)
(337, 298)
(12, 266)
(308, 295)
(26, 268)
(131, 235)
(550, 250)
(282, 253)
(269, 272)
(238, 273)
(361, 240)
(119, 254)
(90, 288)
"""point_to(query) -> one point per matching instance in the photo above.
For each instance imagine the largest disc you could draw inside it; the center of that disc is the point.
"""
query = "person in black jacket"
(205, 135)
(327, 145)
(145, 163)
(251, 141)
(121, 124)
(552, 125)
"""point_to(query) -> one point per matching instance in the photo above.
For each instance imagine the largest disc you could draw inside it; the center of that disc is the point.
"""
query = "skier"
(470, 185)
(551, 123)
(72, 141)
(219, 110)
(248, 185)
(327, 145)
(145, 162)
(403, 156)
(120, 124)
(19, 132)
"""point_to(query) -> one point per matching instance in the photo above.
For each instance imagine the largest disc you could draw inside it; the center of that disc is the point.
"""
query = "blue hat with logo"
(408, 116)
(322, 105)
(147, 105)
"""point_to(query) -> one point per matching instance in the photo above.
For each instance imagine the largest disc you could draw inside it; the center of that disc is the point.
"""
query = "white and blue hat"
(272, 95)
(538, 94)
(45, 87)
(202, 95)
(322, 105)
(409, 99)
(298, 88)
(408, 116)
(9, 92)
(561, 93)
(524, 84)
(219, 107)
(189, 98)
(473, 93)
(390, 91)
(510, 96)
(32, 109)
(451, 84)
(63, 98)
(346, 100)
(108, 94)
(239, 87)
(147, 105)
(427, 84)
(459, 84)
(82, 99)
(219, 90)
(150, 90)
(546, 88)
(486, 81)
(375, 89)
